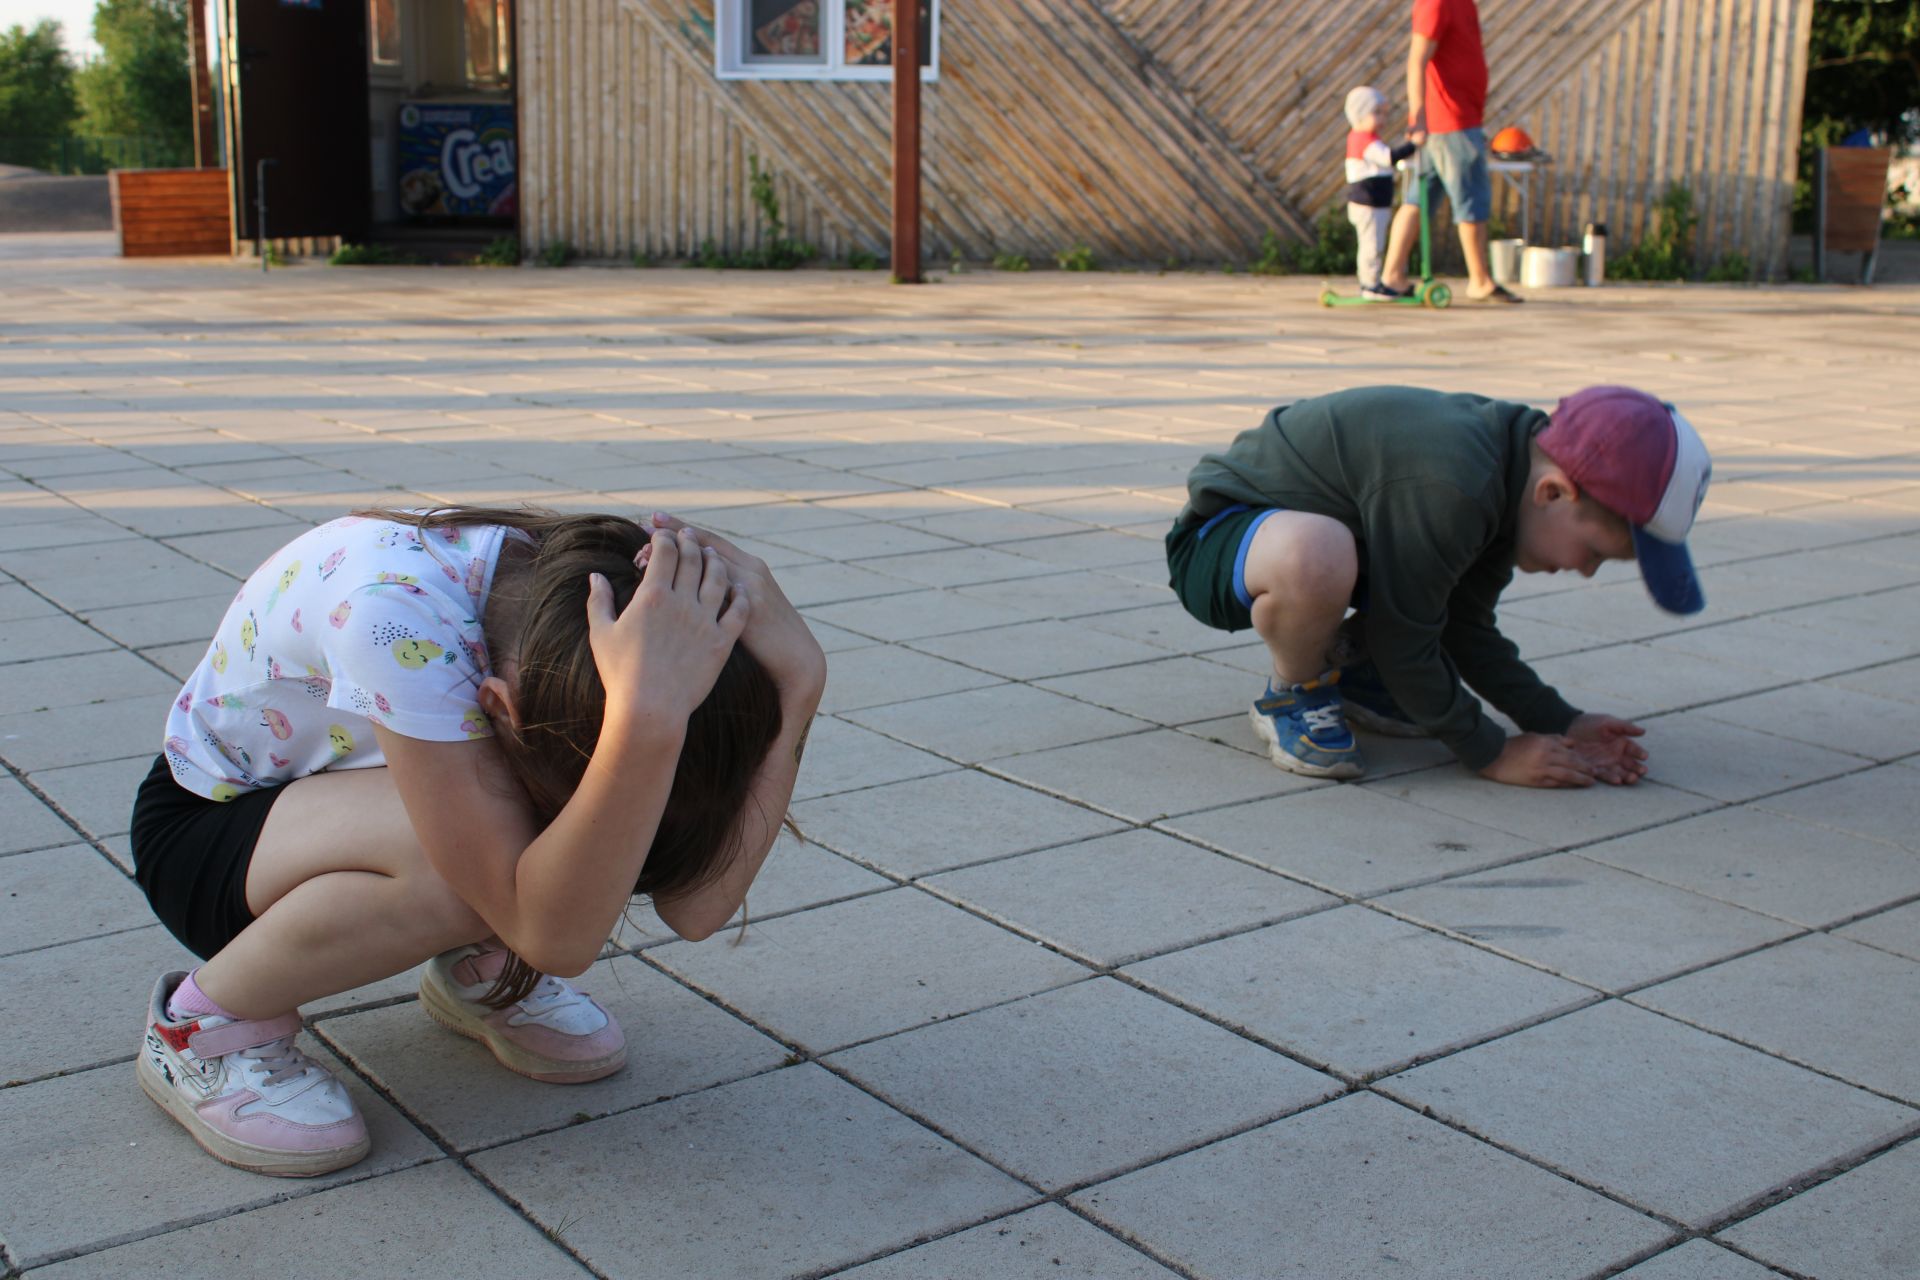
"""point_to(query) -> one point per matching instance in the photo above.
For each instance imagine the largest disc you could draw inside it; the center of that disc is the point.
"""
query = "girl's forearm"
(575, 880)
(699, 914)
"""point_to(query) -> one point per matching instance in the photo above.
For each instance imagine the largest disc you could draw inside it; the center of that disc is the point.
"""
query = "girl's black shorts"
(190, 855)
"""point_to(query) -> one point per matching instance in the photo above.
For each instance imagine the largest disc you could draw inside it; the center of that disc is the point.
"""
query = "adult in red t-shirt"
(1446, 103)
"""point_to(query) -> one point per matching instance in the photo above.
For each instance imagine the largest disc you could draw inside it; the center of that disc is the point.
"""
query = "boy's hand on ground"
(776, 634)
(1607, 744)
(1541, 760)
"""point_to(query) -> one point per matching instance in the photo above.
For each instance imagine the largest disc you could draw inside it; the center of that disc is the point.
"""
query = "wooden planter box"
(171, 212)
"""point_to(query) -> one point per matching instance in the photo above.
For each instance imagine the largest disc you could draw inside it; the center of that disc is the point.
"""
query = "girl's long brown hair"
(536, 617)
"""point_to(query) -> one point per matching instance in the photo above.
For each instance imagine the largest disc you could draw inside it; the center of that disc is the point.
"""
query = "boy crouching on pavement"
(1414, 507)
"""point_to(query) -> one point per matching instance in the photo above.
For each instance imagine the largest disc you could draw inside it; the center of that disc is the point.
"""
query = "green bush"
(644, 258)
(503, 252)
(1732, 269)
(1078, 258)
(776, 252)
(1011, 262)
(1275, 259)
(1332, 252)
(862, 260)
(1665, 252)
(557, 254)
(370, 255)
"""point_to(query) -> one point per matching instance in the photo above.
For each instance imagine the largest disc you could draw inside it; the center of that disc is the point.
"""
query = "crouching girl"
(467, 737)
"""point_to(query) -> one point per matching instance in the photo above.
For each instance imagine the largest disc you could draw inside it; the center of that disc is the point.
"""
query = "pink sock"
(188, 1001)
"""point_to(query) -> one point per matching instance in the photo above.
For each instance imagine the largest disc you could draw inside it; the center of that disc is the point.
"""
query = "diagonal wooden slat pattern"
(1147, 129)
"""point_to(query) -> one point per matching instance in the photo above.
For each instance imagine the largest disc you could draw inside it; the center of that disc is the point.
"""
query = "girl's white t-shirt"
(358, 622)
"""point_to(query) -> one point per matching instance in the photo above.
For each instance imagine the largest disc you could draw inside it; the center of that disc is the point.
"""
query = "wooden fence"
(170, 212)
(1146, 129)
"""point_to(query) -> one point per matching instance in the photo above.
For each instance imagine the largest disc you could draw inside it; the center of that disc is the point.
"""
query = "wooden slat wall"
(169, 212)
(1147, 129)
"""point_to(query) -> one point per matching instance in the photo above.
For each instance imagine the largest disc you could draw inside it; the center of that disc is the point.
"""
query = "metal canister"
(1594, 245)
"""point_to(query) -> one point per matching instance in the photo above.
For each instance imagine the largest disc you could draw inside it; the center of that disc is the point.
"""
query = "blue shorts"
(1460, 162)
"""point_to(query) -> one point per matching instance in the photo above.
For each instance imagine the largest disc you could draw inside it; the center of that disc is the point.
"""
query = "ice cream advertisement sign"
(457, 160)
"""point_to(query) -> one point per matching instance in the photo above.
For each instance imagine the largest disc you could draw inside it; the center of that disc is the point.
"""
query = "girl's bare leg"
(342, 895)
(1300, 571)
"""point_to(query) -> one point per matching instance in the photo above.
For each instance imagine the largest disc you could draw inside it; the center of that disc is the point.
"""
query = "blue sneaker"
(1305, 731)
(1369, 706)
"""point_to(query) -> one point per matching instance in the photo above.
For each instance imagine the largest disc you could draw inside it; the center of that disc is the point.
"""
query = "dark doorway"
(301, 103)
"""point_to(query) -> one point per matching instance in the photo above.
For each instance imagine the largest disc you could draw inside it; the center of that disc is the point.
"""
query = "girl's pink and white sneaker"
(558, 1034)
(245, 1094)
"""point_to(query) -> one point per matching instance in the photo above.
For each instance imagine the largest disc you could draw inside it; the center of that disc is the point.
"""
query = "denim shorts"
(1460, 161)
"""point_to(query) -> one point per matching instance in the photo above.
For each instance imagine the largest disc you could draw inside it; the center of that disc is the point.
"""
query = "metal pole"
(906, 141)
(204, 154)
(260, 211)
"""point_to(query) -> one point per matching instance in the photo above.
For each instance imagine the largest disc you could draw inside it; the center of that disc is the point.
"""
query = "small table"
(1519, 176)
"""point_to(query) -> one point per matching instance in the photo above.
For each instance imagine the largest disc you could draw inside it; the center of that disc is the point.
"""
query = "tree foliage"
(37, 101)
(139, 86)
(1863, 72)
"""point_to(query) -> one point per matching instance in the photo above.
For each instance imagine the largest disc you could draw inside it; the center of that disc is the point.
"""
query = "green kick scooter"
(1426, 291)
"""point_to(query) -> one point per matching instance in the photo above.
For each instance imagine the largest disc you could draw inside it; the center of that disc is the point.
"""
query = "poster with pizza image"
(870, 33)
(786, 30)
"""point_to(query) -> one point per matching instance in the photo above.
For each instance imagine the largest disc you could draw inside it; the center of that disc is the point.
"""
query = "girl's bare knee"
(441, 913)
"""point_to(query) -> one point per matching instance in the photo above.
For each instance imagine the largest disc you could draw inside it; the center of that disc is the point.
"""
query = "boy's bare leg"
(343, 895)
(1300, 571)
(1397, 274)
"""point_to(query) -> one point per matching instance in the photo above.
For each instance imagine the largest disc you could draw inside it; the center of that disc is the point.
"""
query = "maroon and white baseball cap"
(1635, 455)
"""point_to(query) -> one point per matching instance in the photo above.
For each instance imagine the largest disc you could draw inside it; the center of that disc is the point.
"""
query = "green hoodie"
(1430, 486)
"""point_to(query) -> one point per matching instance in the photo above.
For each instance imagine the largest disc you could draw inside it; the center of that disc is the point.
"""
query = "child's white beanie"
(1362, 100)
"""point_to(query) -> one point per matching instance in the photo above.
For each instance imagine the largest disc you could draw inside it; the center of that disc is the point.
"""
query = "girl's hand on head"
(776, 634)
(660, 656)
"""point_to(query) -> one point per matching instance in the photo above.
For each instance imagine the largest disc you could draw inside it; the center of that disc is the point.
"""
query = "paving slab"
(1150, 776)
(1554, 818)
(884, 673)
(1589, 922)
(98, 731)
(97, 796)
(1008, 719)
(925, 825)
(916, 960)
(845, 757)
(1111, 900)
(788, 1173)
(1361, 1187)
(1828, 714)
(1698, 1260)
(1833, 1005)
(1695, 752)
(1768, 863)
(676, 1043)
(78, 680)
(473, 1233)
(63, 895)
(60, 1130)
(1045, 1241)
(1863, 1225)
(111, 975)
(1168, 691)
(26, 822)
(1108, 1078)
(1382, 843)
(1897, 931)
(1358, 992)
(55, 635)
(1623, 1100)
(1883, 804)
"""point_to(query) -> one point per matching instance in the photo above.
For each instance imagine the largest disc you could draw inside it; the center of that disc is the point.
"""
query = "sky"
(74, 16)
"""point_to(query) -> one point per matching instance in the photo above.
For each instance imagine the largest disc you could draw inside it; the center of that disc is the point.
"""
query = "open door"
(299, 90)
